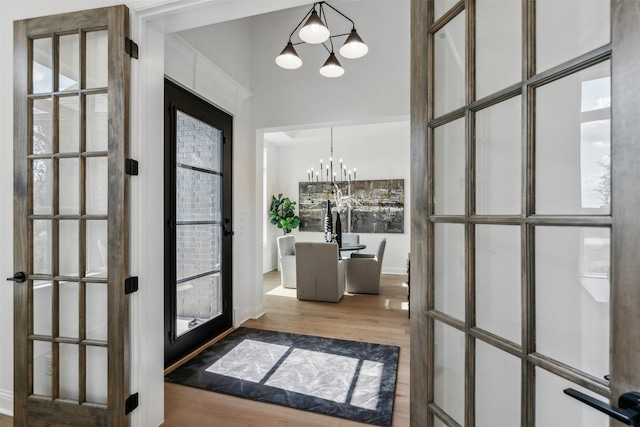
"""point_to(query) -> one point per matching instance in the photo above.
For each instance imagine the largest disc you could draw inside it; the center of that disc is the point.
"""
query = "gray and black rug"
(346, 379)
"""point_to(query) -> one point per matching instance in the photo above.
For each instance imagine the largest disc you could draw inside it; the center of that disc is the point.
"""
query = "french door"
(198, 231)
(525, 203)
(71, 106)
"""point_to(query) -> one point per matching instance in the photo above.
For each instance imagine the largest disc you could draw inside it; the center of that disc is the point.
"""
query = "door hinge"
(131, 403)
(131, 48)
(131, 167)
(130, 285)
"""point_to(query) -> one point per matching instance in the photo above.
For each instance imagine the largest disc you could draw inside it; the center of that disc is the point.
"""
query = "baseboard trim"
(396, 271)
(197, 351)
(248, 313)
(6, 402)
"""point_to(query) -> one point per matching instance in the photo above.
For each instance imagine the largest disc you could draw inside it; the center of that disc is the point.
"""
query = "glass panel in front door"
(198, 223)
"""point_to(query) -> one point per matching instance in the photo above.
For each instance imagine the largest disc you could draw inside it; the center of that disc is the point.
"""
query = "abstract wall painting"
(379, 207)
(312, 203)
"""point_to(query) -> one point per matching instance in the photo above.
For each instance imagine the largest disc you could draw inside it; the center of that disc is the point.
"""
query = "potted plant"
(283, 213)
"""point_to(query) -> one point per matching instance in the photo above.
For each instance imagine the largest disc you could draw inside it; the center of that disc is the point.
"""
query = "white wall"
(270, 251)
(227, 45)
(378, 151)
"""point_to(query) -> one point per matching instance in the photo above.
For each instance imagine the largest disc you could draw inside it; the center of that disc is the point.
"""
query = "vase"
(338, 230)
(328, 224)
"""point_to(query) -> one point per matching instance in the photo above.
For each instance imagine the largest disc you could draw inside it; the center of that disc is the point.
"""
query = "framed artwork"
(377, 207)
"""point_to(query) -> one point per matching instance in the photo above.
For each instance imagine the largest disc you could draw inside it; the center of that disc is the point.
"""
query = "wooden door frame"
(625, 297)
(36, 411)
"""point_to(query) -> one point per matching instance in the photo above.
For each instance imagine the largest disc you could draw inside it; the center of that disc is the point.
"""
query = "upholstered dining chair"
(349, 239)
(319, 272)
(363, 271)
(287, 260)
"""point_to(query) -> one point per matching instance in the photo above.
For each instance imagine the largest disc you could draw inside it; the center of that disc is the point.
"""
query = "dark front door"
(198, 232)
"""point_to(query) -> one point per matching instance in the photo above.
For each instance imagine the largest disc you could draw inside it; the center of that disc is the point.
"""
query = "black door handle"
(224, 228)
(19, 277)
(628, 411)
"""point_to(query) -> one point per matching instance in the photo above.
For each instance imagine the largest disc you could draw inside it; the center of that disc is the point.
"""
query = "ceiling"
(356, 132)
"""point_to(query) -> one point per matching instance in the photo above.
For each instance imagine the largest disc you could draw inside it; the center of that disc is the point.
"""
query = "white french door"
(524, 175)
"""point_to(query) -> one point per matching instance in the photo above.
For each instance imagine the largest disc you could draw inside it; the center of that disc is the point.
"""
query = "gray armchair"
(363, 271)
(319, 272)
(287, 261)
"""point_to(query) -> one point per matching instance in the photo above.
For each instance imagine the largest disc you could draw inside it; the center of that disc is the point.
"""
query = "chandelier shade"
(316, 31)
(332, 67)
(353, 47)
(289, 58)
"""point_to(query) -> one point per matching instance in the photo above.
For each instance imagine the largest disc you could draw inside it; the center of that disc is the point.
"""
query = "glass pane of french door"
(198, 222)
(68, 225)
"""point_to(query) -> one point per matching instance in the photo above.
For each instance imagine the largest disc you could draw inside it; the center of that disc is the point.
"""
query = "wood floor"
(6, 421)
(373, 318)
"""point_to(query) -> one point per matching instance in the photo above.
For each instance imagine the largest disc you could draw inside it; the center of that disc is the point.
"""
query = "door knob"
(628, 411)
(19, 277)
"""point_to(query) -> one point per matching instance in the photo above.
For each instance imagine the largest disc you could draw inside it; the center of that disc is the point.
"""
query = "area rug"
(346, 379)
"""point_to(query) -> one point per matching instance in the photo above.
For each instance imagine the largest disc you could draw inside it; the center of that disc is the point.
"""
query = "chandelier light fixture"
(316, 31)
(326, 172)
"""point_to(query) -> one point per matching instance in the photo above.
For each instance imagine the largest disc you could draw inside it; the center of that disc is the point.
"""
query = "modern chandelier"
(316, 31)
(326, 172)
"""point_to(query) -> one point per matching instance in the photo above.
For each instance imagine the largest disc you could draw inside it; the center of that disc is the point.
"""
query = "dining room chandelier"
(316, 31)
(326, 172)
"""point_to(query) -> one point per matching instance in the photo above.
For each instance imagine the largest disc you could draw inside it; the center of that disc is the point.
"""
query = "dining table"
(352, 247)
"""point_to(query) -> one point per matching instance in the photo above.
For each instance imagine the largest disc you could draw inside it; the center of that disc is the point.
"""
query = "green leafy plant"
(283, 214)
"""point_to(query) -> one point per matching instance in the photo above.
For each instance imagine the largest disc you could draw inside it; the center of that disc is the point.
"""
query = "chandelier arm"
(341, 14)
(331, 37)
(326, 24)
(325, 46)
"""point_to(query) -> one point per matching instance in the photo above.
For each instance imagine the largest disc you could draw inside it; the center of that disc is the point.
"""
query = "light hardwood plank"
(372, 318)
(6, 421)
